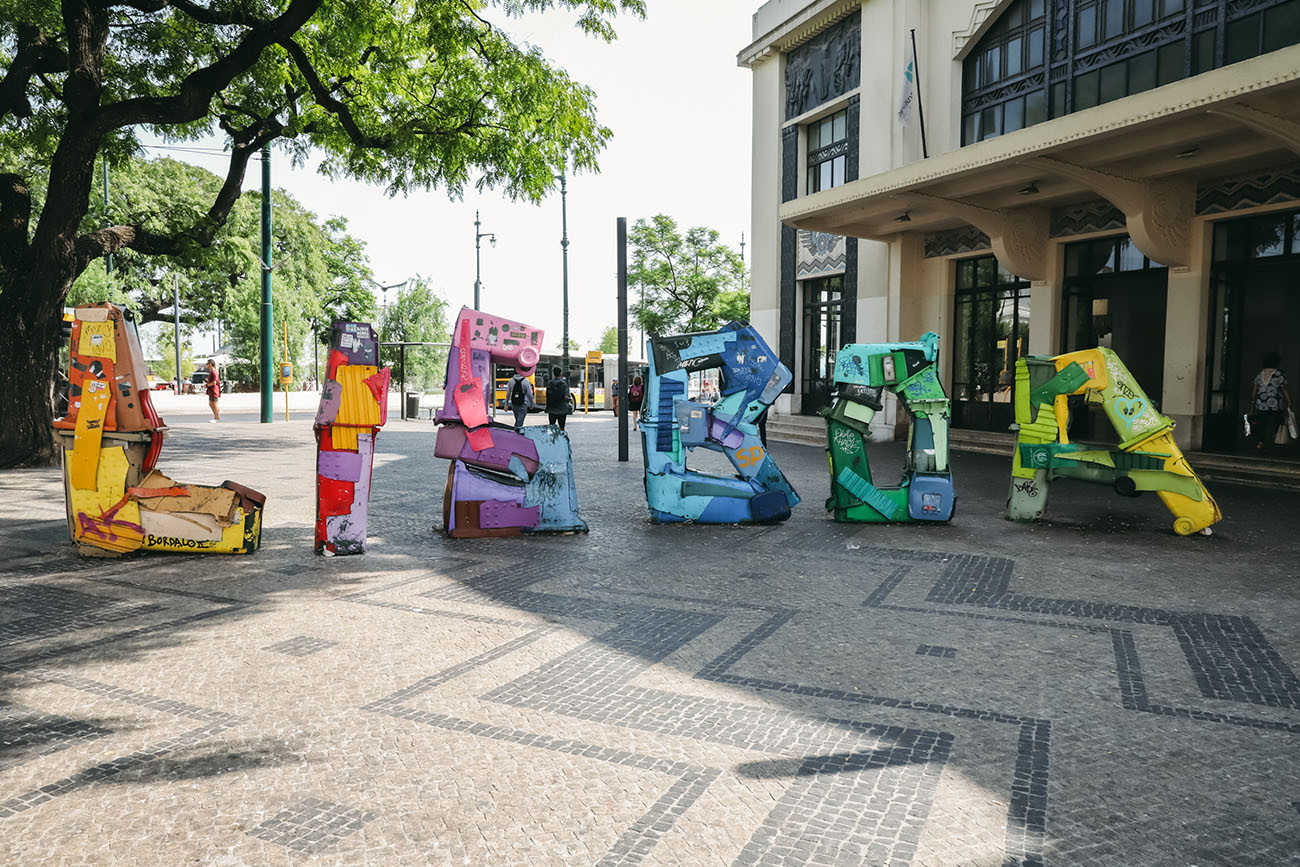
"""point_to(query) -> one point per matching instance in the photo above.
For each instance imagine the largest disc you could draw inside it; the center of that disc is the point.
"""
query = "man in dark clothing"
(557, 397)
(519, 394)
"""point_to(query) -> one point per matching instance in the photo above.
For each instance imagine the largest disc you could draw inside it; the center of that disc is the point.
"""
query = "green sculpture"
(862, 372)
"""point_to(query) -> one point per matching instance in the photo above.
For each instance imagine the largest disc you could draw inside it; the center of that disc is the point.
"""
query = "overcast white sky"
(679, 106)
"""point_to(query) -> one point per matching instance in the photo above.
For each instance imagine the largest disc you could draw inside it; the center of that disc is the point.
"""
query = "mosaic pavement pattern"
(804, 694)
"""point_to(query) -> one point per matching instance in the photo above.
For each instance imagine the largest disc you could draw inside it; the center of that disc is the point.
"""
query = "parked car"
(156, 384)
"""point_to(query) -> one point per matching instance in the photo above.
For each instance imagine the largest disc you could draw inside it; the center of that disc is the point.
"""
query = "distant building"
(1123, 173)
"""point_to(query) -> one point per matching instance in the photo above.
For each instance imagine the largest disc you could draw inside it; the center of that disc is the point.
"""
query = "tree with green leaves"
(609, 340)
(162, 353)
(688, 282)
(404, 93)
(418, 316)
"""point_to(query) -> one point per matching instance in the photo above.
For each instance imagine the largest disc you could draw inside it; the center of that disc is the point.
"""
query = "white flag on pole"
(908, 97)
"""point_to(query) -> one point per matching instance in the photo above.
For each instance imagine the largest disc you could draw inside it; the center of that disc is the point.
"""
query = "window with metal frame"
(828, 150)
(1047, 58)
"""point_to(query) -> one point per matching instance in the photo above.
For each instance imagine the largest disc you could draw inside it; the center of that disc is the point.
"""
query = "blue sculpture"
(672, 426)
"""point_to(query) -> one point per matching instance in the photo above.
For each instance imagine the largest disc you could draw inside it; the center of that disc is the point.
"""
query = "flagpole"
(920, 104)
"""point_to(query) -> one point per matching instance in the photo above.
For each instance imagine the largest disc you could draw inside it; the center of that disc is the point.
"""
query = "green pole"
(268, 324)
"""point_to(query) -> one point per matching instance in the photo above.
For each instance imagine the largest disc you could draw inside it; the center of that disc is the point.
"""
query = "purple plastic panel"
(348, 532)
(343, 466)
(732, 440)
(452, 444)
(494, 515)
(468, 486)
(331, 394)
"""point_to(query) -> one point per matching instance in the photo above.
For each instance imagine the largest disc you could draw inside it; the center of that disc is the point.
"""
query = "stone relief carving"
(824, 67)
(1248, 191)
(1098, 216)
(820, 255)
(967, 239)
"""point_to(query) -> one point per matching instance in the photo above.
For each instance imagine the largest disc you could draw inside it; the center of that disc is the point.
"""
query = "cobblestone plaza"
(1088, 691)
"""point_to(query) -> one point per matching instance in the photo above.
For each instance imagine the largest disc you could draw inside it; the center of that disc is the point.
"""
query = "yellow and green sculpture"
(862, 372)
(1146, 458)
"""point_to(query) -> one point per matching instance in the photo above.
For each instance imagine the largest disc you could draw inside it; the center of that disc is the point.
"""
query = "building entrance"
(1115, 298)
(990, 331)
(1254, 309)
(822, 306)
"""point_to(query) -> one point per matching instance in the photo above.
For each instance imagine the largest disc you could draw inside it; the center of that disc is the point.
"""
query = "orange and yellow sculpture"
(117, 500)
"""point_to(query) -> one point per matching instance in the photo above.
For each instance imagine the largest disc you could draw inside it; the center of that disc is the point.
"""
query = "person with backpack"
(519, 394)
(634, 397)
(557, 397)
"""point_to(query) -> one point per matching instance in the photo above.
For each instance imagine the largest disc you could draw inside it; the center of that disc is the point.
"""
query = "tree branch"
(103, 242)
(325, 98)
(197, 89)
(15, 212)
(199, 13)
(35, 55)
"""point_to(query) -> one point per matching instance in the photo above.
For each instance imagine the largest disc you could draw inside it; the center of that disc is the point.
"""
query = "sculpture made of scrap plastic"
(353, 406)
(117, 499)
(1146, 458)
(863, 371)
(500, 483)
(672, 425)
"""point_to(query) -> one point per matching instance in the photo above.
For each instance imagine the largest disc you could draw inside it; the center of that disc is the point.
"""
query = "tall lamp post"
(564, 247)
(478, 269)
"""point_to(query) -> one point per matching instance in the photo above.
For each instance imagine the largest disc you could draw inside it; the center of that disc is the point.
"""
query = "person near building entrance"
(213, 388)
(557, 398)
(519, 393)
(634, 396)
(1270, 400)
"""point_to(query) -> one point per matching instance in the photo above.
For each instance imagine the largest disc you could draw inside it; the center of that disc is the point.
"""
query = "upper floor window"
(828, 149)
(1048, 58)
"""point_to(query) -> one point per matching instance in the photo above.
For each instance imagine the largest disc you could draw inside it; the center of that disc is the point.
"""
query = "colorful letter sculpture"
(500, 483)
(672, 426)
(353, 406)
(117, 500)
(1146, 458)
(862, 372)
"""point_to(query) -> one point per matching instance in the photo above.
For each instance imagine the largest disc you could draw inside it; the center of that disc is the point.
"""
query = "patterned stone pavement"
(1089, 691)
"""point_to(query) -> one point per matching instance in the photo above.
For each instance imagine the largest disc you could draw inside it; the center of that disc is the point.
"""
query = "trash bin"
(413, 404)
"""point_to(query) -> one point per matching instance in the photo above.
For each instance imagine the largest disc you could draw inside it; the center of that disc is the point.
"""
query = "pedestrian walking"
(557, 398)
(634, 397)
(614, 389)
(1270, 400)
(213, 388)
(519, 391)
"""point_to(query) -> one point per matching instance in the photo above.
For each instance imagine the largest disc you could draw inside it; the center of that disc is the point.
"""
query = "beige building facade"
(1122, 173)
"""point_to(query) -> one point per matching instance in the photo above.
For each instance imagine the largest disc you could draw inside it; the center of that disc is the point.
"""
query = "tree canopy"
(687, 281)
(403, 93)
(417, 316)
(609, 340)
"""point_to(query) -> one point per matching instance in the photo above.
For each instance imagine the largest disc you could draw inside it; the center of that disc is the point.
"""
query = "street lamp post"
(564, 247)
(478, 269)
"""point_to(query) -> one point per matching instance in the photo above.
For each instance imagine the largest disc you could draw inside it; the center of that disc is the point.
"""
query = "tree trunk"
(29, 345)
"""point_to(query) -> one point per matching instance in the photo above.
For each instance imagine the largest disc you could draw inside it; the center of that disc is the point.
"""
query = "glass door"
(821, 340)
(991, 331)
